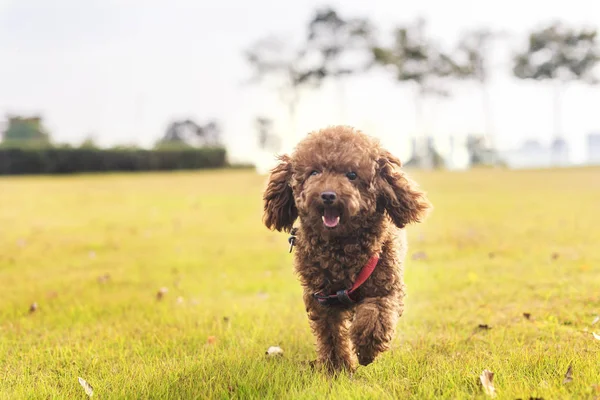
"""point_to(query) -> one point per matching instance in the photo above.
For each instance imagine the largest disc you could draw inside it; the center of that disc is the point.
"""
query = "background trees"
(415, 58)
(322, 54)
(187, 133)
(25, 132)
(283, 65)
(333, 47)
(336, 47)
(472, 57)
(559, 54)
(267, 139)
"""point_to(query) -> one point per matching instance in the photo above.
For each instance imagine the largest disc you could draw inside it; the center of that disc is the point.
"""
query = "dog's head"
(335, 180)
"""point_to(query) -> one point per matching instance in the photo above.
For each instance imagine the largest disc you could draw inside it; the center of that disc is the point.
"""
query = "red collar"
(345, 296)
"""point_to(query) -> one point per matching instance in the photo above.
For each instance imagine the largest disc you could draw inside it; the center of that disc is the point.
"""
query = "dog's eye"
(313, 173)
(351, 175)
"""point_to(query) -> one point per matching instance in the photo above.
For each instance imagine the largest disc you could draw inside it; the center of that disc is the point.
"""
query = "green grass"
(488, 246)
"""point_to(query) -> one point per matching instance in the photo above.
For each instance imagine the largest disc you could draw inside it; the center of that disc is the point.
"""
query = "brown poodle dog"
(352, 202)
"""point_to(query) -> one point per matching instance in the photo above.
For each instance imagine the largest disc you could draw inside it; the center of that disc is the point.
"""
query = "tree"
(480, 154)
(210, 134)
(561, 55)
(25, 131)
(88, 143)
(471, 58)
(267, 140)
(335, 43)
(320, 55)
(273, 60)
(416, 59)
(187, 133)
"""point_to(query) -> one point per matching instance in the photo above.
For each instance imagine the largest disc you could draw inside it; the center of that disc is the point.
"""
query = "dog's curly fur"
(374, 208)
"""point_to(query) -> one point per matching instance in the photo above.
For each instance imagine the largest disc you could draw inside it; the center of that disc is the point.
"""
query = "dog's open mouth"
(331, 217)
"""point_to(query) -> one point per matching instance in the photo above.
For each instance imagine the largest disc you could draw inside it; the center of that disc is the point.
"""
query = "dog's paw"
(330, 368)
(311, 364)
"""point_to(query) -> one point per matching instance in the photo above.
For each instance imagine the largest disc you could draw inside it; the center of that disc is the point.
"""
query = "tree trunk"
(558, 133)
(424, 154)
(290, 98)
(417, 134)
(557, 109)
(420, 132)
(487, 115)
(341, 89)
(291, 138)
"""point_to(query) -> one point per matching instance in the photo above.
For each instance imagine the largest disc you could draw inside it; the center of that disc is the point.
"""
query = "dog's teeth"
(337, 220)
(323, 218)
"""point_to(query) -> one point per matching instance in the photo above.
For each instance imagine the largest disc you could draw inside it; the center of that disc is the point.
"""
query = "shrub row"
(15, 161)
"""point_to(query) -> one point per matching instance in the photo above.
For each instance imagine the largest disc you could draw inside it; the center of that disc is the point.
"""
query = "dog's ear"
(280, 208)
(398, 195)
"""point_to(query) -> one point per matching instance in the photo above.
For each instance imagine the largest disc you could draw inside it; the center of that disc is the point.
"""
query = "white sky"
(122, 69)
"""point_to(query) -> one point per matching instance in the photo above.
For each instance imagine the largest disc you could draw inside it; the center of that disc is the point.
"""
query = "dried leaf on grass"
(33, 307)
(478, 328)
(569, 374)
(211, 340)
(161, 293)
(89, 390)
(527, 315)
(487, 381)
(274, 351)
(596, 320)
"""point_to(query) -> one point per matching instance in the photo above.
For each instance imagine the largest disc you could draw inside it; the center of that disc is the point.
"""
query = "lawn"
(93, 253)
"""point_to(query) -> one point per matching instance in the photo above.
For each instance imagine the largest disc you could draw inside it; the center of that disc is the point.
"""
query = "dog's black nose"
(328, 197)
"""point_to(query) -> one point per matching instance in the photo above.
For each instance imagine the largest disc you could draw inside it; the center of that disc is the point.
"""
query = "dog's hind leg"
(374, 327)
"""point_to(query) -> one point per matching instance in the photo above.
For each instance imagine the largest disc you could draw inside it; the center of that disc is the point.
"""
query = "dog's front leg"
(330, 325)
(374, 326)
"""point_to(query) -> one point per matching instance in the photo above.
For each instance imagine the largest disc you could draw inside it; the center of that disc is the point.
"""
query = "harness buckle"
(343, 297)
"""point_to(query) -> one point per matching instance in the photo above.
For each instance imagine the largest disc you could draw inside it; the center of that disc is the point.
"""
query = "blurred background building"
(593, 148)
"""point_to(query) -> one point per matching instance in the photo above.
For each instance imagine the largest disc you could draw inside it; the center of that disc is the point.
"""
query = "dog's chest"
(330, 271)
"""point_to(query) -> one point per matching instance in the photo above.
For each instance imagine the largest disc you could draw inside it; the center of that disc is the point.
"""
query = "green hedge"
(66, 161)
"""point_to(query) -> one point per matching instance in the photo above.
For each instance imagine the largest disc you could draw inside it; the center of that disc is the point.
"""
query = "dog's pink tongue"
(331, 217)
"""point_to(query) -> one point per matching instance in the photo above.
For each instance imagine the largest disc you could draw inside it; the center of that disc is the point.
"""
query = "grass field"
(499, 244)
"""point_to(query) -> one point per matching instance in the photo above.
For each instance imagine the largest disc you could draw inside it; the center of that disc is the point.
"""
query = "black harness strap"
(341, 297)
